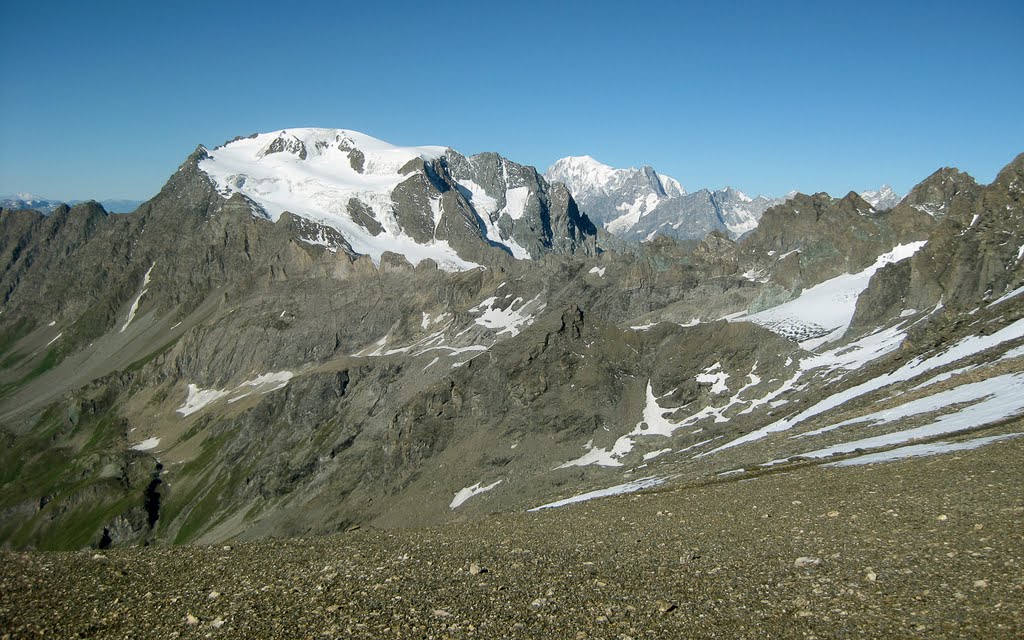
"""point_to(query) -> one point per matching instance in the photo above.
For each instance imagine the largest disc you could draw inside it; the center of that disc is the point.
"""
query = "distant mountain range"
(638, 204)
(633, 204)
(47, 205)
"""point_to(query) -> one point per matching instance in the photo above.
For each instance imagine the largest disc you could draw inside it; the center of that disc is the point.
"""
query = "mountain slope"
(211, 367)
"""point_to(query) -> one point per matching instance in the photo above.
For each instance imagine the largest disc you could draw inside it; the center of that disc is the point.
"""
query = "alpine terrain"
(638, 204)
(385, 391)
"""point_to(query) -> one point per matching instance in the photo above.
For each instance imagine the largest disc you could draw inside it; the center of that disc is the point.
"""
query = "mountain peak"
(385, 198)
(882, 199)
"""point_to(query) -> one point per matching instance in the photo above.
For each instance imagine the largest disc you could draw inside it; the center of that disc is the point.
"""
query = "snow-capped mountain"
(419, 202)
(694, 215)
(613, 198)
(637, 204)
(883, 199)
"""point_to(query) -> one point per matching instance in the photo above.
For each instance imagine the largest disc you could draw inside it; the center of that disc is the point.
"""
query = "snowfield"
(312, 175)
(823, 313)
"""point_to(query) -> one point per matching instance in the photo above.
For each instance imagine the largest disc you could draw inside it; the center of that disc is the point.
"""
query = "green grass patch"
(10, 336)
(48, 362)
(84, 525)
(138, 364)
(200, 517)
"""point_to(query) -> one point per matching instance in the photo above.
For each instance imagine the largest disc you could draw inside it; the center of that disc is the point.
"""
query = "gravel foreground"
(928, 548)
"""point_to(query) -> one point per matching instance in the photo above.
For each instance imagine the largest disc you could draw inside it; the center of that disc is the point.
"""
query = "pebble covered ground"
(927, 548)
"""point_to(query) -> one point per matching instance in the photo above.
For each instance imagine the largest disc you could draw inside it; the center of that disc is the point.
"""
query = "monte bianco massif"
(311, 330)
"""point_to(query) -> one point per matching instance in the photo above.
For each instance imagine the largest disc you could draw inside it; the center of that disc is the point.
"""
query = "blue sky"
(105, 99)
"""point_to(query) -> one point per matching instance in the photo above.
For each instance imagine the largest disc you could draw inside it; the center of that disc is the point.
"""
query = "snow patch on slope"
(465, 494)
(922, 450)
(510, 320)
(967, 347)
(135, 303)
(147, 445)
(619, 489)
(823, 313)
(1002, 397)
(199, 398)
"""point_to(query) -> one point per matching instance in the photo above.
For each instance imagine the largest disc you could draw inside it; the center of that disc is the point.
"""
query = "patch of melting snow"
(856, 354)
(1002, 397)
(921, 450)
(55, 339)
(198, 398)
(967, 347)
(645, 327)
(465, 494)
(510, 320)
(730, 472)
(601, 457)
(823, 313)
(619, 489)
(146, 445)
(1010, 387)
(756, 275)
(598, 270)
(716, 380)
(52, 322)
(654, 423)
(1013, 294)
(655, 454)
(135, 303)
(273, 381)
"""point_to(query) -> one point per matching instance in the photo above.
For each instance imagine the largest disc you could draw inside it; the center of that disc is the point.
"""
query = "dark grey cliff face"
(810, 239)
(520, 206)
(194, 372)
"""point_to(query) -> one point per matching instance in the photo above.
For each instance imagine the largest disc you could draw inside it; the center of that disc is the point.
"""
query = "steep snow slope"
(315, 173)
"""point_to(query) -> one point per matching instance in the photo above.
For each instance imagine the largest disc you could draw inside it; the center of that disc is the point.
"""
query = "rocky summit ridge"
(308, 331)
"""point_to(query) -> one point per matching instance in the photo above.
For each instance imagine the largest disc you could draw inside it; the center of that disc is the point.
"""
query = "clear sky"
(105, 99)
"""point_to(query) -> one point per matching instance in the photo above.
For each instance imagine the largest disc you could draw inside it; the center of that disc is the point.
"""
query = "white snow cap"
(885, 197)
(313, 173)
(585, 174)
